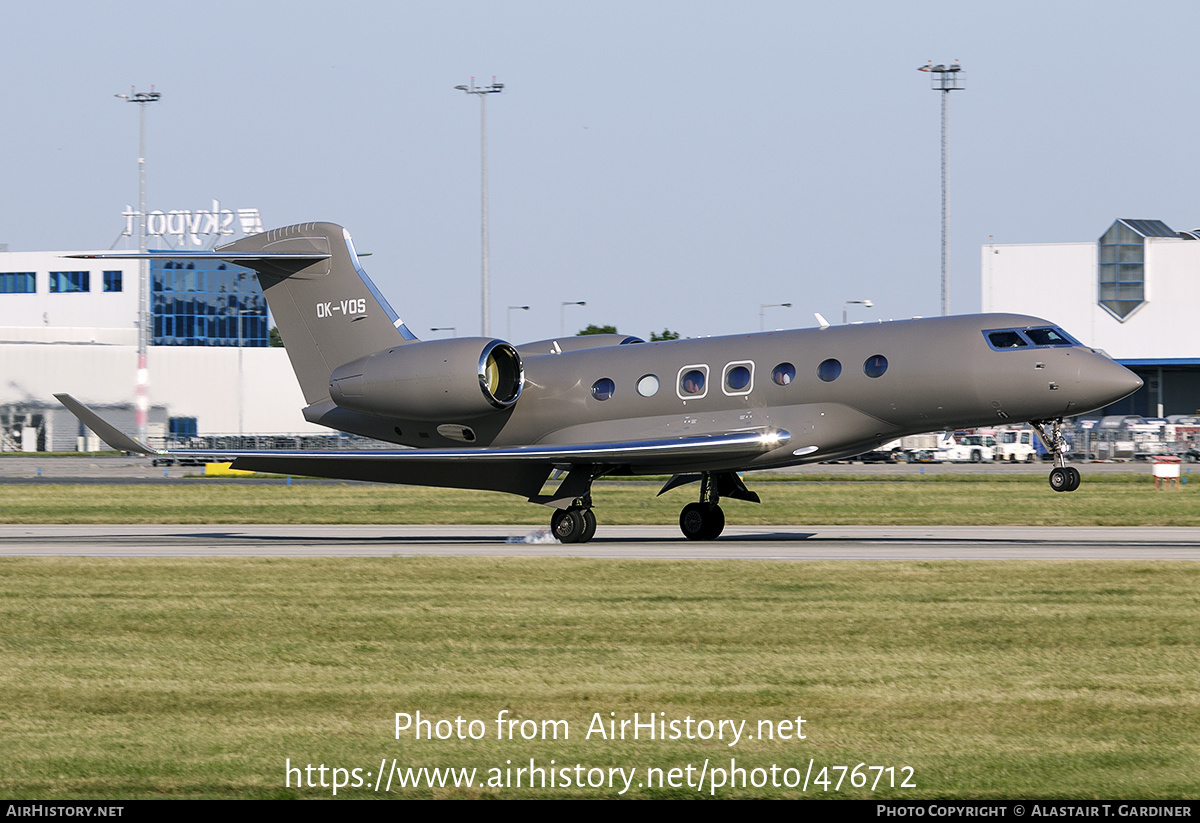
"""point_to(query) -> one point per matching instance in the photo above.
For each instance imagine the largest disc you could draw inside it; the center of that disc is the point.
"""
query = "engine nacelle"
(438, 380)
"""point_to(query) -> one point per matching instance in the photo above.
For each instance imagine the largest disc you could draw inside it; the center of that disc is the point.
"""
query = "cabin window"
(693, 382)
(875, 366)
(739, 378)
(647, 386)
(603, 388)
(829, 370)
(783, 374)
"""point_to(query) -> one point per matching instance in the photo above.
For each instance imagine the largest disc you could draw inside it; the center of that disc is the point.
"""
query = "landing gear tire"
(1075, 478)
(589, 526)
(573, 525)
(702, 521)
(1064, 478)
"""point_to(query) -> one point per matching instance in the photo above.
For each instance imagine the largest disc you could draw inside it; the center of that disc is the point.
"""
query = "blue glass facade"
(199, 302)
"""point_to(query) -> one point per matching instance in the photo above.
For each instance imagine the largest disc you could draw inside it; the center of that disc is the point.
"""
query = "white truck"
(1016, 445)
(974, 448)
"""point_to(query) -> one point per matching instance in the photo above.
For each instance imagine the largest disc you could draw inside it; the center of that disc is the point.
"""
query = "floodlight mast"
(486, 288)
(142, 396)
(562, 315)
(847, 303)
(762, 307)
(945, 79)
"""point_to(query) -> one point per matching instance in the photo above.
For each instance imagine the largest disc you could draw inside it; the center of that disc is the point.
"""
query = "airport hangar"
(71, 325)
(1134, 293)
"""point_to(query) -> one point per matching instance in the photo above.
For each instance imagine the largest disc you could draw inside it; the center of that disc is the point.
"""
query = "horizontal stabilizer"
(228, 257)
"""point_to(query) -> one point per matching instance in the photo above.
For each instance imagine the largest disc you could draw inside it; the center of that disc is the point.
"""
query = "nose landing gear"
(1063, 478)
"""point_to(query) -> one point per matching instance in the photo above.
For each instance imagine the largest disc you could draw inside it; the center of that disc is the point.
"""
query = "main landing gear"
(1063, 478)
(704, 520)
(576, 524)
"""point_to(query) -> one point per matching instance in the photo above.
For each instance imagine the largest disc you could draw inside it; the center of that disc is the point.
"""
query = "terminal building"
(1134, 293)
(71, 325)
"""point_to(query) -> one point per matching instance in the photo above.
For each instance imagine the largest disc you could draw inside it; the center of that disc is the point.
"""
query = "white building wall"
(201, 382)
(1060, 282)
(93, 315)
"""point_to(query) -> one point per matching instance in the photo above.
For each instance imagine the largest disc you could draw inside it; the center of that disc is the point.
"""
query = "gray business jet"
(479, 413)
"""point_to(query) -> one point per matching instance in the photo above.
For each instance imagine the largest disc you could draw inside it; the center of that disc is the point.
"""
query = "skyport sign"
(195, 227)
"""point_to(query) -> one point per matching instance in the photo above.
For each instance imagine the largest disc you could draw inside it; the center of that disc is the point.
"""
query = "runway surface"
(662, 542)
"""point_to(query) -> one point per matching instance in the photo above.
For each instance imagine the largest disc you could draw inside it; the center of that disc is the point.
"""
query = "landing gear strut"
(1063, 478)
(576, 523)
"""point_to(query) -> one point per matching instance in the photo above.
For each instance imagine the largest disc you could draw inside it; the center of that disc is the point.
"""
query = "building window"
(112, 281)
(206, 303)
(18, 282)
(65, 282)
(1123, 263)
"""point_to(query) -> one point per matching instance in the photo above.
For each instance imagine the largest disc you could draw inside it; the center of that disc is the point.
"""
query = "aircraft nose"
(1103, 381)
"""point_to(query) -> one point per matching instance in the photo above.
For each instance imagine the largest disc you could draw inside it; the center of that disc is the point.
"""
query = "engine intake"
(438, 380)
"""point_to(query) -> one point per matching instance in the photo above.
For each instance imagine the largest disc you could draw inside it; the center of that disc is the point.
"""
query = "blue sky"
(672, 164)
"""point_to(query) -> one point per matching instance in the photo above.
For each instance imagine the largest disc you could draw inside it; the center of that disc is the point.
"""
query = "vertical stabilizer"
(328, 311)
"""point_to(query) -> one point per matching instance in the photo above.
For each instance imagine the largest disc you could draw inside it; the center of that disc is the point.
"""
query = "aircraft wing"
(517, 469)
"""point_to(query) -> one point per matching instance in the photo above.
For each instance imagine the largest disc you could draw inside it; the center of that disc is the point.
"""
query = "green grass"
(1106, 500)
(200, 677)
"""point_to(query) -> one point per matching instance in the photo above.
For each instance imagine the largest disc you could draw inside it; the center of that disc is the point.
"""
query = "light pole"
(141, 393)
(562, 316)
(762, 307)
(945, 79)
(486, 289)
(846, 303)
(241, 382)
(508, 334)
(452, 329)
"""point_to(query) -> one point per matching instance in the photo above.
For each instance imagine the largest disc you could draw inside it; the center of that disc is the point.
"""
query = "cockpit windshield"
(1039, 338)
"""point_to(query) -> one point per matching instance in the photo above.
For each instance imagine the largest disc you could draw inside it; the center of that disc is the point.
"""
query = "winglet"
(821, 320)
(106, 431)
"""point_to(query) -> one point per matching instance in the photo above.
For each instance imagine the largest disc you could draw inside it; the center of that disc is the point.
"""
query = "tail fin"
(328, 311)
